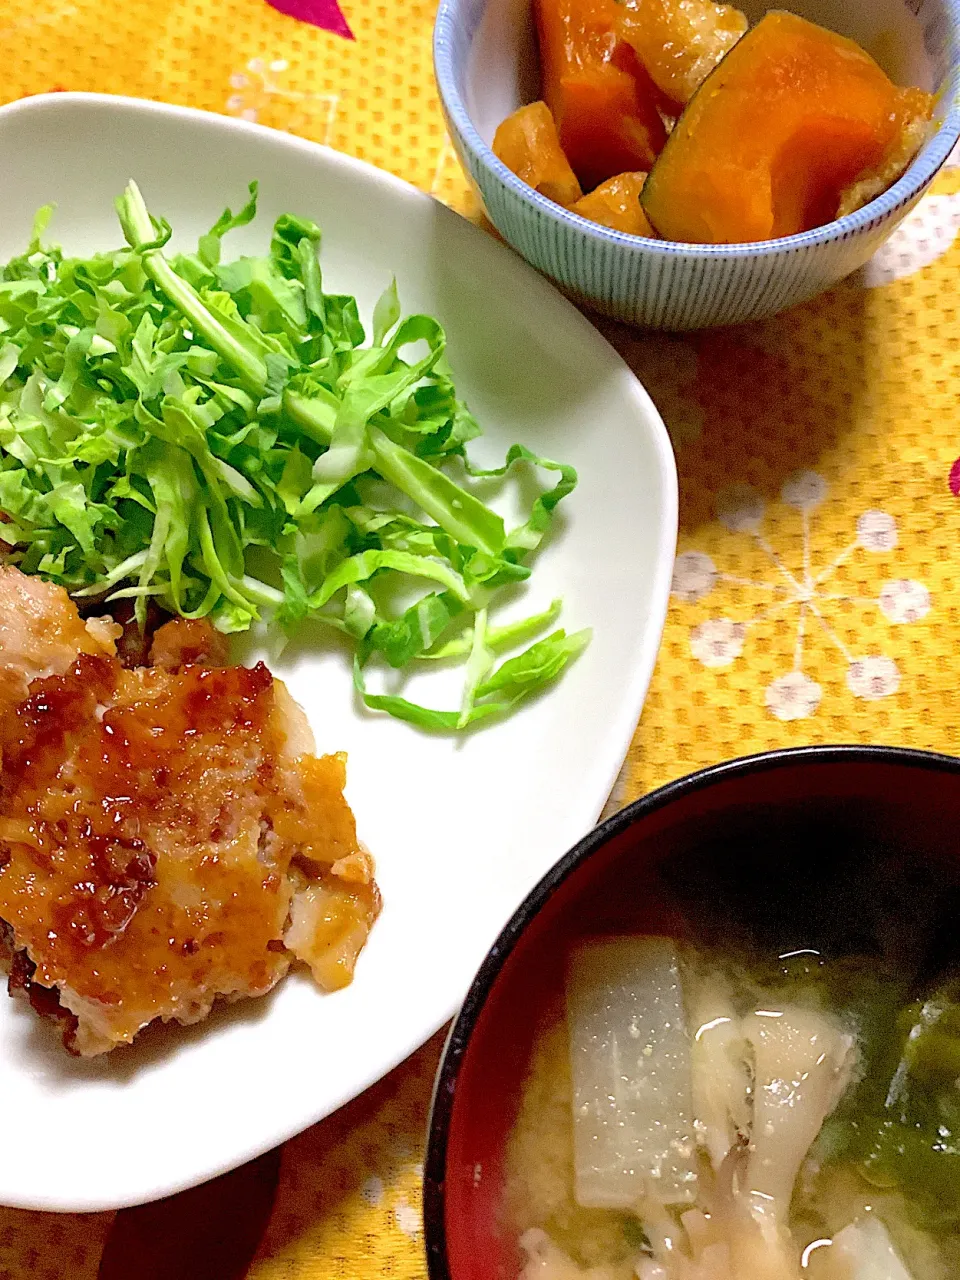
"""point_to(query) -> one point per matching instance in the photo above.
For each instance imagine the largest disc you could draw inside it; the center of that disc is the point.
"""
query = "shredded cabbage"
(216, 437)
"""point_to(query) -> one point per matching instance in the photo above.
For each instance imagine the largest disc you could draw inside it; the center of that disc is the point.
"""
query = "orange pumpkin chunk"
(616, 204)
(602, 99)
(914, 108)
(527, 143)
(791, 119)
(679, 42)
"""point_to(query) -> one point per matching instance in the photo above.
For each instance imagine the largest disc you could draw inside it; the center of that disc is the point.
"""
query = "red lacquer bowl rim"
(445, 1087)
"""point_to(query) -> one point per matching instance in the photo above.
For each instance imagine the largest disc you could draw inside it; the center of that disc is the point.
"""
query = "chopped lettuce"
(216, 437)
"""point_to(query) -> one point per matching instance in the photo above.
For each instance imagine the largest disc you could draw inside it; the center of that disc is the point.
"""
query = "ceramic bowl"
(814, 798)
(486, 66)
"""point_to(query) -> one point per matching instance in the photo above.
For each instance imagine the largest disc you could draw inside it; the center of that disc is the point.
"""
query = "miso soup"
(759, 1082)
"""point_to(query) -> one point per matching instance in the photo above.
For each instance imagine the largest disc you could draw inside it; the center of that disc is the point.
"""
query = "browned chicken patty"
(167, 835)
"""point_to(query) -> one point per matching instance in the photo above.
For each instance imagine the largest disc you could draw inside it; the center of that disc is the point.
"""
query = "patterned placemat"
(814, 594)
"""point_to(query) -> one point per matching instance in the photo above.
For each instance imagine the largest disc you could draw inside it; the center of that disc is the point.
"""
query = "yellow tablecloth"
(814, 596)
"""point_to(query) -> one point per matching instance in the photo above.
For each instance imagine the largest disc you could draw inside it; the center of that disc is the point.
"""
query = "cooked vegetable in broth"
(761, 1083)
(708, 130)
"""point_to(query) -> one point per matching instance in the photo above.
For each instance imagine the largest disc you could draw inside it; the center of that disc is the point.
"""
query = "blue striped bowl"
(485, 62)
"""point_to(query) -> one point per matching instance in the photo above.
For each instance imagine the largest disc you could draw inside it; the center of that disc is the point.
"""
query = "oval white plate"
(460, 830)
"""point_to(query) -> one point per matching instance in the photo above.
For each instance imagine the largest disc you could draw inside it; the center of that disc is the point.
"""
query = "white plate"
(460, 830)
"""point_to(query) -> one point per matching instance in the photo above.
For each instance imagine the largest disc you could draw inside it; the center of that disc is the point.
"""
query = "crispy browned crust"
(162, 830)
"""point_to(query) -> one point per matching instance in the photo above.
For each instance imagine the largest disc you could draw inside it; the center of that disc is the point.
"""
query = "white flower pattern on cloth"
(719, 641)
(373, 1191)
(740, 509)
(407, 1218)
(260, 83)
(793, 696)
(694, 576)
(873, 678)
(904, 600)
(925, 235)
(877, 531)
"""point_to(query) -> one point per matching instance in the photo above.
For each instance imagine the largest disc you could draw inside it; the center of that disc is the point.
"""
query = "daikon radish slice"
(547, 1261)
(630, 1066)
(864, 1251)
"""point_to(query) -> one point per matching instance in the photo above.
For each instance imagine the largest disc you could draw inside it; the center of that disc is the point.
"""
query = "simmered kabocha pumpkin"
(679, 42)
(527, 143)
(616, 204)
(603, 101)
(793, 121)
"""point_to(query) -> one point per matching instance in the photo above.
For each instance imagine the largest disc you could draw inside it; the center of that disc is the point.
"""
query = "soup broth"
(760, 1082)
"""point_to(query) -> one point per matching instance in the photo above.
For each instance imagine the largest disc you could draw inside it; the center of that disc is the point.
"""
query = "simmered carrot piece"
(679, 42)
(790, 119)
(527, 143)
(602, 99)
(616, 204)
